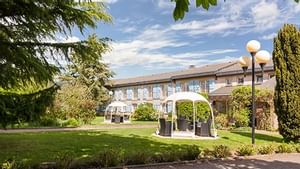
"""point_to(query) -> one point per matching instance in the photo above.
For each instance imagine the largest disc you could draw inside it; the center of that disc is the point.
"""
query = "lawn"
(45, 146)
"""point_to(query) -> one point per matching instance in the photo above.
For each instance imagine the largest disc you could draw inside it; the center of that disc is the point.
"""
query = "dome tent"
(194, 98)
(116, 112)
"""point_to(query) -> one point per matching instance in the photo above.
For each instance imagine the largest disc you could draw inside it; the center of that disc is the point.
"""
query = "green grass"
(45, 146)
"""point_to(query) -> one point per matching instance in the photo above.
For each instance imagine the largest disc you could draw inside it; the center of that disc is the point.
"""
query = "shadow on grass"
(259, 136)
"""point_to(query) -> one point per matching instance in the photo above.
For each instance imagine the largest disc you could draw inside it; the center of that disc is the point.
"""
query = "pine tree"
(26, 26)
(286, 58)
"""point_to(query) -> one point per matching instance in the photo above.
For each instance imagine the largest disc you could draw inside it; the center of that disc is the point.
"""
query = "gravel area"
(276, 161)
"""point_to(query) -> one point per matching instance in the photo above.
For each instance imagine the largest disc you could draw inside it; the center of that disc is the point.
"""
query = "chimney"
(192, 66)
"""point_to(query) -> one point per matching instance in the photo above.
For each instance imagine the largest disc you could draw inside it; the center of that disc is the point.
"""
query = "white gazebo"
(194, 98)
(116, 113)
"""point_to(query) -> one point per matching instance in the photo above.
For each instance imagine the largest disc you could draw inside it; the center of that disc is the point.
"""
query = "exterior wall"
(203, 85)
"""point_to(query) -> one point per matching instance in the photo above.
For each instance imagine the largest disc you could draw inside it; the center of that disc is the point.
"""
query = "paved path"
(276, 161)
(83, 128)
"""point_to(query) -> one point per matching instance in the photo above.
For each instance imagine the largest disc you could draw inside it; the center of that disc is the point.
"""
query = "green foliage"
(72, 122)
(241, 105)
(64, 160)
(266, 149)
(25, 52)
(185, 109)
(221, 121)
(246, 150)
(182, 6)
(221, 151)
(18, 108)
(73, 101)
(241, 118)
(109, 158)
(286, 58)
(285, 148)
(145, 112)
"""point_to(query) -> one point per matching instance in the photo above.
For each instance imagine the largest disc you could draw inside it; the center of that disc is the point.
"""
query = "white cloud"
(165, 4)
(269, 36)
(265, 15)
(129, 29)
(146, 50)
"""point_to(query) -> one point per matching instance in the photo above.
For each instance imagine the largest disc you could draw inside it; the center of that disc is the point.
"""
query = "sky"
(147, 40)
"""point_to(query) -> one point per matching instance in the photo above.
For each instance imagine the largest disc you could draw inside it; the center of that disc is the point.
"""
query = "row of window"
(143, 93)
(240, 80)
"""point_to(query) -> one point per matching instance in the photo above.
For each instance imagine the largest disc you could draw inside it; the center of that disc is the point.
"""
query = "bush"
(221, 121)
(285, 148)
(246, 150)
(297, 148)
(47, 121)
(185, 109)
(109, 158)
(145, 112)
(137, 158)
(266, 149)
(71, 123)
(221, 151)
(241, 118)
(64, 160)
(12, 164)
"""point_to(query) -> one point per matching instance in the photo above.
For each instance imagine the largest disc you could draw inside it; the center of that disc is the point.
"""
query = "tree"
(25, 27)
(182, 6)
(286, 58)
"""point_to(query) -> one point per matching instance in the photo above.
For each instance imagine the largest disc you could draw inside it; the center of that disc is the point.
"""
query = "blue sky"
(147, 40)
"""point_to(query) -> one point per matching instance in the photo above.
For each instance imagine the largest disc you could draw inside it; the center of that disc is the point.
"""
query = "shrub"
(47, 121)
(221, 121)
(137, 158)
(72, 122)
(12, 164)
(221, 151)
(64, 160)
(266, 149)
(285, 148)
(185, 109)
(109, 158)
(191, 152)
(145, 112)
(241, 118)
(297, 148)
(246, 150)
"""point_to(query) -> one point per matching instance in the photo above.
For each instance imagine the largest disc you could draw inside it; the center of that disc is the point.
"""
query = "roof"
(219, 69)
(167, 77)
(186, 96)
(227, 90)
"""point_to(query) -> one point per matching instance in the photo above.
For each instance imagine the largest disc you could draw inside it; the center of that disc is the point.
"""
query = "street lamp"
(261, 57)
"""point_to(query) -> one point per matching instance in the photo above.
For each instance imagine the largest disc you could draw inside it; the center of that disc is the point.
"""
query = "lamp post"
(261, 57)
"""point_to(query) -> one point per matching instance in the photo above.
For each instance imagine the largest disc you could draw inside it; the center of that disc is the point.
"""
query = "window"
(240, 80)
(119, 95)
(211, 85)
(129, 108)
(140, 93)
(129, 94)
(169, 107)
(194, 86)
(178, 87)
(145, 93)
(157, 106)
(259, 78)
(170, 90)
(228, 82)
(156, 91)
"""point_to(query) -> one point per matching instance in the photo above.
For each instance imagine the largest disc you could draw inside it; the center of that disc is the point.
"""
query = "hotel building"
(218, 80)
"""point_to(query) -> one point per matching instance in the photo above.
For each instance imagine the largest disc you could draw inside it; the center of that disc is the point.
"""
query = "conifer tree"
(286, 58)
